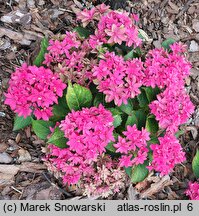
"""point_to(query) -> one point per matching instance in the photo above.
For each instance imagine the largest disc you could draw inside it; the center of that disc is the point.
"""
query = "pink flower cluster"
(88, 132)
(166, 69)
(106, 179)
(193, 191)
(68, 57)
(86, 16)
(113, 26)
(166, 154)
(116, 27)
(133, 146)
(172, 108)
(101, 177)
(34, 90)
(119, 80)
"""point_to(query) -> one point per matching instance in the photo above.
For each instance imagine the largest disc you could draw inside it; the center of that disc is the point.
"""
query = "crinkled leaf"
(127, 108)
(139, 172)
(142, 99)
(129, 55)
(137, 117)
(21, 122)
(166, 44)
(128, 171)
(151, 125)
(117, 117)
(195, 164)
(143, 35)
(78, 96)
(99, 99)
(110, 147)
(43, 49)
(131, 120)
(153, 140)
(42, 128)
(61, 109)
(179, 133)
(151, 93)
(82, 32)
(58, 138)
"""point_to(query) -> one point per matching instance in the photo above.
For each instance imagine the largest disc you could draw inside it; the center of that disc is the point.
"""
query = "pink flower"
(102, 8)
(33, 90)
(164, 69)
(125, 161)
(100, 177)
(166, 154)
(193, 191)
(172, 108)
(133, 146)
(117, 27)
(69, 58)
(86, 16)
(88, 131)
(116, 34)
(119, 80)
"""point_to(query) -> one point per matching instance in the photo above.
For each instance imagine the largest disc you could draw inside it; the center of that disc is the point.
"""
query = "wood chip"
(32, 167)
(157, 186)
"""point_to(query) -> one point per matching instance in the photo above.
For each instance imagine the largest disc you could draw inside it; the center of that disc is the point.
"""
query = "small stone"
(2, 114)
(194, 47)
(157, 44)
(24, 155)
(5, 158)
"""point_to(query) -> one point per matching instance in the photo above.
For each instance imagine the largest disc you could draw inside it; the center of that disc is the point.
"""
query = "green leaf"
(129, 55)
(78, 96)
(58, 138)
(153, 140)
(99, 99)
(128, 171)
(166, 44)
(43, 49)
(131, 120)
(41, 128)
(137, 117)
(110, 147)
(127, 108)
(151, 125)
(82, 32)
(195, 164)
(179, 133)
(60, 110)
(117, 117)
(139, 172)
(21, 122)
(151, 93)
(142, 99)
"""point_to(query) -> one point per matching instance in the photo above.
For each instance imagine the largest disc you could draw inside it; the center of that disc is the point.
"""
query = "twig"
(16, 189)
(54, 185)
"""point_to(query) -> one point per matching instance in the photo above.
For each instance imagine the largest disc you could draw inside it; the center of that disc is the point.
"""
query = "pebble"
(2, 114)
(24, 155)
(5, 158)
(194, 47)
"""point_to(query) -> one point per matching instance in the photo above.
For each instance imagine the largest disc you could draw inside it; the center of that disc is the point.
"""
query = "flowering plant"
(104, 106)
